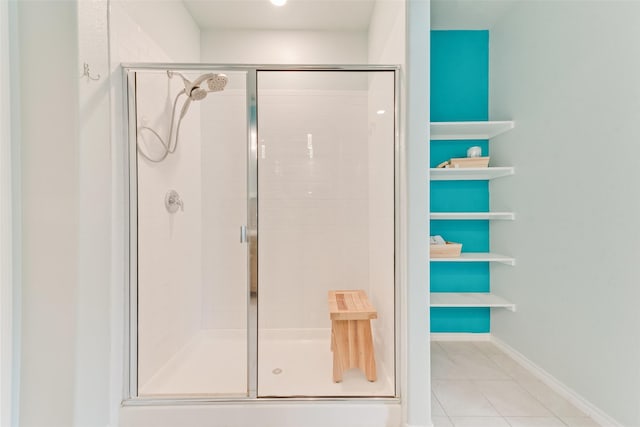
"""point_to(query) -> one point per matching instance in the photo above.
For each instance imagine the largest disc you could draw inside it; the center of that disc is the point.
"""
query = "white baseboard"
(576, 399)
(251, 414)
(446, 336)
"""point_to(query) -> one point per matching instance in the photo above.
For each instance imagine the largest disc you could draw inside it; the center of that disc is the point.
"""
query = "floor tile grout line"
(542, 403)
(487, 357)
(551, 412)
(489, 400)
(433, 395)
(500, 367)
(448, 355)
(517, 382)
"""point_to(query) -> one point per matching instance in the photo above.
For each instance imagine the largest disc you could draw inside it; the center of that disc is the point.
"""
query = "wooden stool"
(351, 339)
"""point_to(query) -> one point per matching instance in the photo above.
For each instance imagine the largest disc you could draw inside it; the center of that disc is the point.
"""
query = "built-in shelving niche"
(448, 131)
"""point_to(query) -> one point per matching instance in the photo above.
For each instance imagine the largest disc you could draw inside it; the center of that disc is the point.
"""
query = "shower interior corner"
(310, 169)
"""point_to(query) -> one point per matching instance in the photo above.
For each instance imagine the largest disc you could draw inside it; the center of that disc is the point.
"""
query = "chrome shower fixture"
(194, 92)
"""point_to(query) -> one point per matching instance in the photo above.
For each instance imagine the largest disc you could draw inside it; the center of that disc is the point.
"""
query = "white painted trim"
(416, 397)
(119, 238)
(8, 349)
(459, 336)
(256, 413)
(571, 395)
(6, 294)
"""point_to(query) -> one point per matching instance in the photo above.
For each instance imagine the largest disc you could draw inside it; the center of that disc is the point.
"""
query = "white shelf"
(468, 130)
(478, 257)
(473, 215)
(469, 174)
(472, 299)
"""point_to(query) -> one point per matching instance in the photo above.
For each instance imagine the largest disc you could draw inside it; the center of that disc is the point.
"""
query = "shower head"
(195, 91)
(217, 83)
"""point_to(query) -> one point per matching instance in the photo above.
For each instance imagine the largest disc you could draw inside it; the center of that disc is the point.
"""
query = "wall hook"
(87, 73)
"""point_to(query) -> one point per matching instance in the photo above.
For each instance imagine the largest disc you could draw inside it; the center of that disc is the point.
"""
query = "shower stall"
(254, 192)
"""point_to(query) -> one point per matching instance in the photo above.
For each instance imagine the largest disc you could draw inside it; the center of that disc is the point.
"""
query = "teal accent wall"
(460, 92)
(459, 75)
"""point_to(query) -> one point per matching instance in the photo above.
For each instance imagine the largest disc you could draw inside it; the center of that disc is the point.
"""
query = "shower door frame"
(130, 371)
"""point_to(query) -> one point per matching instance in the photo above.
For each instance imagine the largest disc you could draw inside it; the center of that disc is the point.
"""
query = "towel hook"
(87, 73)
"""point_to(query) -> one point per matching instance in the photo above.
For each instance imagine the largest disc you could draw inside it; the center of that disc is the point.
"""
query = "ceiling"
(327, 15)
(335, 15)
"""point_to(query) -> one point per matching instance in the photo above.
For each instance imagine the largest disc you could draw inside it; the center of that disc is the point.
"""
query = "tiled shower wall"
(169, 260)
(224, 207)
(313, 203)
(325, 213)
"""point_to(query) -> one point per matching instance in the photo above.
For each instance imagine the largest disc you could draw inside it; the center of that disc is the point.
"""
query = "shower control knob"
(173, 202)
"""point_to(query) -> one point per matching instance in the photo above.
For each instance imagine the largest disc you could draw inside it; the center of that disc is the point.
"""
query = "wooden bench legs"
(351, 341)
(352, 347)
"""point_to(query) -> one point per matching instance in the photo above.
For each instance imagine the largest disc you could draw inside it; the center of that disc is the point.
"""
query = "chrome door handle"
(243, 234)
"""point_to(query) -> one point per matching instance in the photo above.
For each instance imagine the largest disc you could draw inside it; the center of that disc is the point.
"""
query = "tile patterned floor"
(475, 384)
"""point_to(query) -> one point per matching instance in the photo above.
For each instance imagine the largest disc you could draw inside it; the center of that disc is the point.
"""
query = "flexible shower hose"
(166, 145)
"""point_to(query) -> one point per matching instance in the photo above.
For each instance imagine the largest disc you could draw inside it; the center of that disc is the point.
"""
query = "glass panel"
(326, 223)
(191, 204)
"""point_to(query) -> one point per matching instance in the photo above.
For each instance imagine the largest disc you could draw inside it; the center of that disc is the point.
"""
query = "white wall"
(139, 32)
(9, 322)
(91, 300)
(93, 344)
(150, 20)
(284, 47)
(66, 175)
(567, 72)
(386, 38)
(399, 34)
(49, 144)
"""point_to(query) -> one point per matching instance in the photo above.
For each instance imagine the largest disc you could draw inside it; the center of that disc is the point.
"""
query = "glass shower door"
(189, 202)
(326, 145)
(295, 169)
